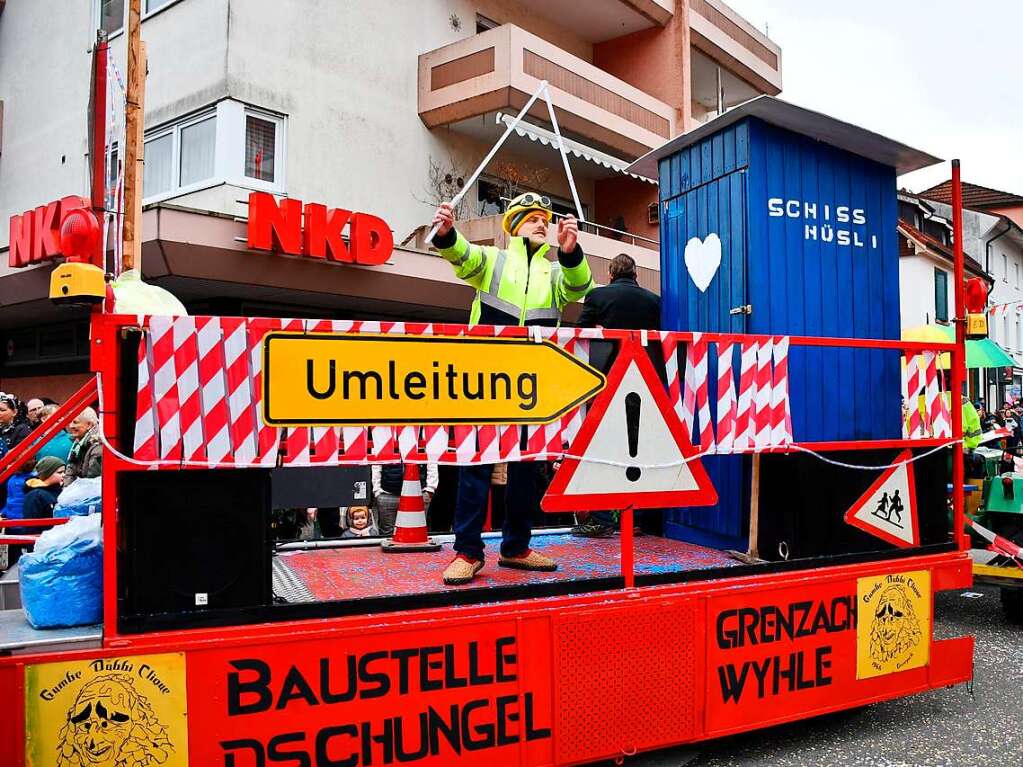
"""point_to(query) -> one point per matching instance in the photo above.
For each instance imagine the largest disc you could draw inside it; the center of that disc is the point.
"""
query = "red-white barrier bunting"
(200, 399)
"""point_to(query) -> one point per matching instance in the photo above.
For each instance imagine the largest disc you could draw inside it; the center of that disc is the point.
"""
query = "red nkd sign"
(315, 231)
(35, 234)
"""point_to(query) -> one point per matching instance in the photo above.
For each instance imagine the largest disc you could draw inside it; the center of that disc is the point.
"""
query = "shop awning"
(574, 148)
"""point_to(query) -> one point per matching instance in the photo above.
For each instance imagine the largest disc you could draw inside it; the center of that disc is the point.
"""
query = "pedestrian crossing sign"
(887, 509)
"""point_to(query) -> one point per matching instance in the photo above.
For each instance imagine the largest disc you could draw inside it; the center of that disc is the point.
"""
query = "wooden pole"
(754, 510)
(131, 254)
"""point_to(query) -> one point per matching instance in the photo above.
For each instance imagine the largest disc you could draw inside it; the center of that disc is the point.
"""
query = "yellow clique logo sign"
(325, 380)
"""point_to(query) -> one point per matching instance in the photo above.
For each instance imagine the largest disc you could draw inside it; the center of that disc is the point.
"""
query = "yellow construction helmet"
(521, 207)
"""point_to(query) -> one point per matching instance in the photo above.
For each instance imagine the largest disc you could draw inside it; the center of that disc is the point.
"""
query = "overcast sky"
(944, 76)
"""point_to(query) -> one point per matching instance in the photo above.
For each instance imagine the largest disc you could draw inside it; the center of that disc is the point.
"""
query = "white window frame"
(279, 149)
(231, 146)
(176, 189)
(97, 6)
(229, 150)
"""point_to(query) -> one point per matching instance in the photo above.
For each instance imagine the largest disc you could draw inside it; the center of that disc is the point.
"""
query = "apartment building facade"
(383, 107)
(993, 237)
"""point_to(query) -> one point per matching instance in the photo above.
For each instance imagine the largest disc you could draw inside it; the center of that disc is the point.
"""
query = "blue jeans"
(522, 497)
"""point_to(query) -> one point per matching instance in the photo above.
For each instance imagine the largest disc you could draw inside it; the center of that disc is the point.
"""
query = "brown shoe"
(461, 570)
(531, 560)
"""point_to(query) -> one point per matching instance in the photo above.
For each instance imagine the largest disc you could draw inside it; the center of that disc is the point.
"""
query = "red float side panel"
(12, 722)
(538, 683)
(626, 679)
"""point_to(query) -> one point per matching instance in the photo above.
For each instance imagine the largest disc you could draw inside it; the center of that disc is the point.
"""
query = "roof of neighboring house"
(974, 196)
(941, 250)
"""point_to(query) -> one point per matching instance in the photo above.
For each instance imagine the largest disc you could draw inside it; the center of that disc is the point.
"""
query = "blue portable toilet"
(804, 208)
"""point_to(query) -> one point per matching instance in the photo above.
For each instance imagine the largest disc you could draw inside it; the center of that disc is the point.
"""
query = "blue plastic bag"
(83, 496)
(62, 580)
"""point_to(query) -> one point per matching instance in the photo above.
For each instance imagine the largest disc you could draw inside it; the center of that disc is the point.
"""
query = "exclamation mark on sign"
(632, 406)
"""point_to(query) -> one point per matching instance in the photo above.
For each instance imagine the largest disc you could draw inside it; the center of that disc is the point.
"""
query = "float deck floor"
(362, 572)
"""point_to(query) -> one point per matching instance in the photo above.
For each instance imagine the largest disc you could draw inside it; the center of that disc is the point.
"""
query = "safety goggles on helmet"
(529, 199)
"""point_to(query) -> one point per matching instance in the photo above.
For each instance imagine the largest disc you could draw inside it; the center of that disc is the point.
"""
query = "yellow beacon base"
(77, 283)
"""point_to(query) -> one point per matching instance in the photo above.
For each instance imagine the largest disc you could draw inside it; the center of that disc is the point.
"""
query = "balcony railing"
(501, 68)
(725, 36)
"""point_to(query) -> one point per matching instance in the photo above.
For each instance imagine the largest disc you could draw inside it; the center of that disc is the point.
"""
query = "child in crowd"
(360, 523)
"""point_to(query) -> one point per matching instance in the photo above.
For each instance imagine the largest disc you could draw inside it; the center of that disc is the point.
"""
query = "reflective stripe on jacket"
(971, 426)
(513, 288)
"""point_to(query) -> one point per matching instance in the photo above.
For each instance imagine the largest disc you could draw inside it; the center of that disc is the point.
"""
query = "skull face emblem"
(894, 630)
(111, 725)
(101, 727)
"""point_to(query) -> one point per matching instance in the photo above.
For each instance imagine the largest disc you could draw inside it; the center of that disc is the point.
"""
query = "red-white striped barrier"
(215, 422)
(937, 409)
(145, 413)
(727, 404)
(744, 426)
(200, 398)
(165, 388)
(912, 382)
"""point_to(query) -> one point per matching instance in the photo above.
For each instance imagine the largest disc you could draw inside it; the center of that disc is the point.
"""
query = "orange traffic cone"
(410, 526)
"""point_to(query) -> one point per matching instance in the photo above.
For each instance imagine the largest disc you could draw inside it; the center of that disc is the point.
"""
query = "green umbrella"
(980, 353)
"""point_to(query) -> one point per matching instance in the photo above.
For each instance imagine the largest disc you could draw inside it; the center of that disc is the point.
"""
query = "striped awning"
(574, 148)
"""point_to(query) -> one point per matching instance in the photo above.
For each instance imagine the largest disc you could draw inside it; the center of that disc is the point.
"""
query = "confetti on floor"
(360, 572)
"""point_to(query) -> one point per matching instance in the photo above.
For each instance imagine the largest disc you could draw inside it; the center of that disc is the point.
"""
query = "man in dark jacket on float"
(623, 305)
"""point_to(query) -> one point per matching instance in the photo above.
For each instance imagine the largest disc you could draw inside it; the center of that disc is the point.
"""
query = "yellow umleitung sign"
(893, 625)
(107, 711)
(324, 380)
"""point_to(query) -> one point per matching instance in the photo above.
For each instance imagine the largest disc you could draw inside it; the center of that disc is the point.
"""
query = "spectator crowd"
(31, 492)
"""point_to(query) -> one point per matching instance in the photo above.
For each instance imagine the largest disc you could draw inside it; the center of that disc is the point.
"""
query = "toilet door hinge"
(747, 309)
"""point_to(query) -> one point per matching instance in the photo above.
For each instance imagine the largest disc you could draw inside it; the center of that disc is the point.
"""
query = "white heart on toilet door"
(703, 257)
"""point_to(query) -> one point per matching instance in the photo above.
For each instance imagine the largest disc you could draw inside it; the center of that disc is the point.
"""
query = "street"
(941, 728)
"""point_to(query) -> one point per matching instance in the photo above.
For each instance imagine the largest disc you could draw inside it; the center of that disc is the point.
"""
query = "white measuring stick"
(490, 155)
(561, 148)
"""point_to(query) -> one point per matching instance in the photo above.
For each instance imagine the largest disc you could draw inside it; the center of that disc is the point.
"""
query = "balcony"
(498, 70)
(727, 38)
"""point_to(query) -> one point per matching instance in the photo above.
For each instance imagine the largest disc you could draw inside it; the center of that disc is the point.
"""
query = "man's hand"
(568, 233)
(444, 218)
(427, 497)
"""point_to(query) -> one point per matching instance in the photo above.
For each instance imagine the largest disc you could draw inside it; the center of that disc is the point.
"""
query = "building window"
(940, 295)
(1005, 268)
(260, 147)
(1019, 337)
(158, 168)
(198, 151)
(229, 143)
(111, 15)
(180, 156)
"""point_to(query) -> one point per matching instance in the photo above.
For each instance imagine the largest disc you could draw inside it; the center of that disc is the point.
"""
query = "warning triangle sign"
(630, 428)
(888, 508)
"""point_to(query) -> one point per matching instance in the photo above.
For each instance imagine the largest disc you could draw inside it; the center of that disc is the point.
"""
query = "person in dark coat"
(43, 489)
(13, 426)
(623, 305)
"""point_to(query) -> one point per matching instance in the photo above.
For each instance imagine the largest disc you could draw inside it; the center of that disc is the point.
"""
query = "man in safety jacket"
(517, 285)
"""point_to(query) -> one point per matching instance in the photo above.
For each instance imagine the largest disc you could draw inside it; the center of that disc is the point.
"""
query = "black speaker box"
(194, 544)
(803, 501)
